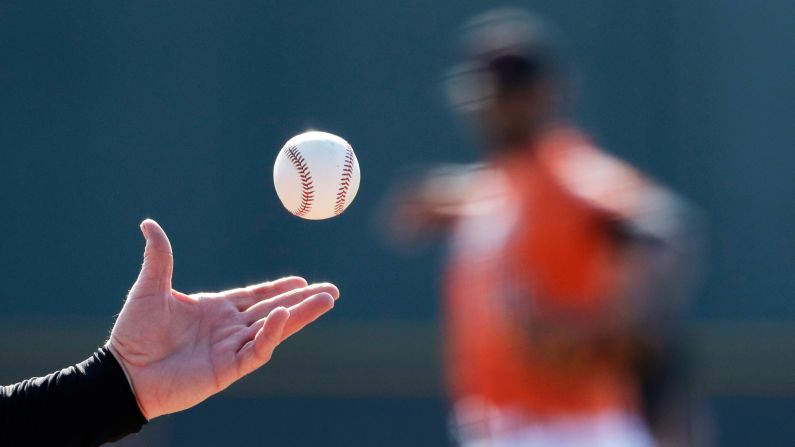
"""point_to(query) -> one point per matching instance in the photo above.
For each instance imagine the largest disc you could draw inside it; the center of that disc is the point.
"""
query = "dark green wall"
(115, 111)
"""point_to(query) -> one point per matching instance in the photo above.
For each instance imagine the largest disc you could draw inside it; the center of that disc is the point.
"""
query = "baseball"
(316, 175)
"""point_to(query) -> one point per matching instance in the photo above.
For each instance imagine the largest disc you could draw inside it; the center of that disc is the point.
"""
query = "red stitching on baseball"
(345, 182)
(307, 188)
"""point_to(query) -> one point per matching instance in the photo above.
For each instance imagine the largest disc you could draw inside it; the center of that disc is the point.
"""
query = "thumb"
(158, 260)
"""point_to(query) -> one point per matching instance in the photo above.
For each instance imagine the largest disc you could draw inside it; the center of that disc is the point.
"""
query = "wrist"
(126, 369)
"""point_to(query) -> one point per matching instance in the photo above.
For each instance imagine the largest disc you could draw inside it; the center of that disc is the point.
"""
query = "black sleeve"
(88, 404)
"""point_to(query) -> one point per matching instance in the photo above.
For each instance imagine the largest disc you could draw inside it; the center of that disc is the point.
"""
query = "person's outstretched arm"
(168, 351)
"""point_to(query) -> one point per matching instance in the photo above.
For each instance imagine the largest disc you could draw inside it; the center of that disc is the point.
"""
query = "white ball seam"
(307, 187)
(345, 182)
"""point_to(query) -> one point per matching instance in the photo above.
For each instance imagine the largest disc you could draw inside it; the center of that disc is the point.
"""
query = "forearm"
(83, 405)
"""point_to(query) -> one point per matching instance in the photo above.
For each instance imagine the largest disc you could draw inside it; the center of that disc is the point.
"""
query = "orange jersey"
(533, 258)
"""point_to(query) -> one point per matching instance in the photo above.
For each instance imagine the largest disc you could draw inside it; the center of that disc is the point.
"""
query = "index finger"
(245, 297)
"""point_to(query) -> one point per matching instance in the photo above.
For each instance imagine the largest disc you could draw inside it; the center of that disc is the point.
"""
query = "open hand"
(178, 349)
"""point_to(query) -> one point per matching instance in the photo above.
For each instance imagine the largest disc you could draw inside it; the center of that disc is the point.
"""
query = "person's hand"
(431, 203)
(178, 349)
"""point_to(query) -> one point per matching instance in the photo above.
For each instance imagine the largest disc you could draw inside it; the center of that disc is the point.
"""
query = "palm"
(180, 349)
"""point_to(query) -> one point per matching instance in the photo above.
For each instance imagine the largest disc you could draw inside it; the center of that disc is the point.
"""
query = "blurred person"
(567, 268)
(167, 352)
